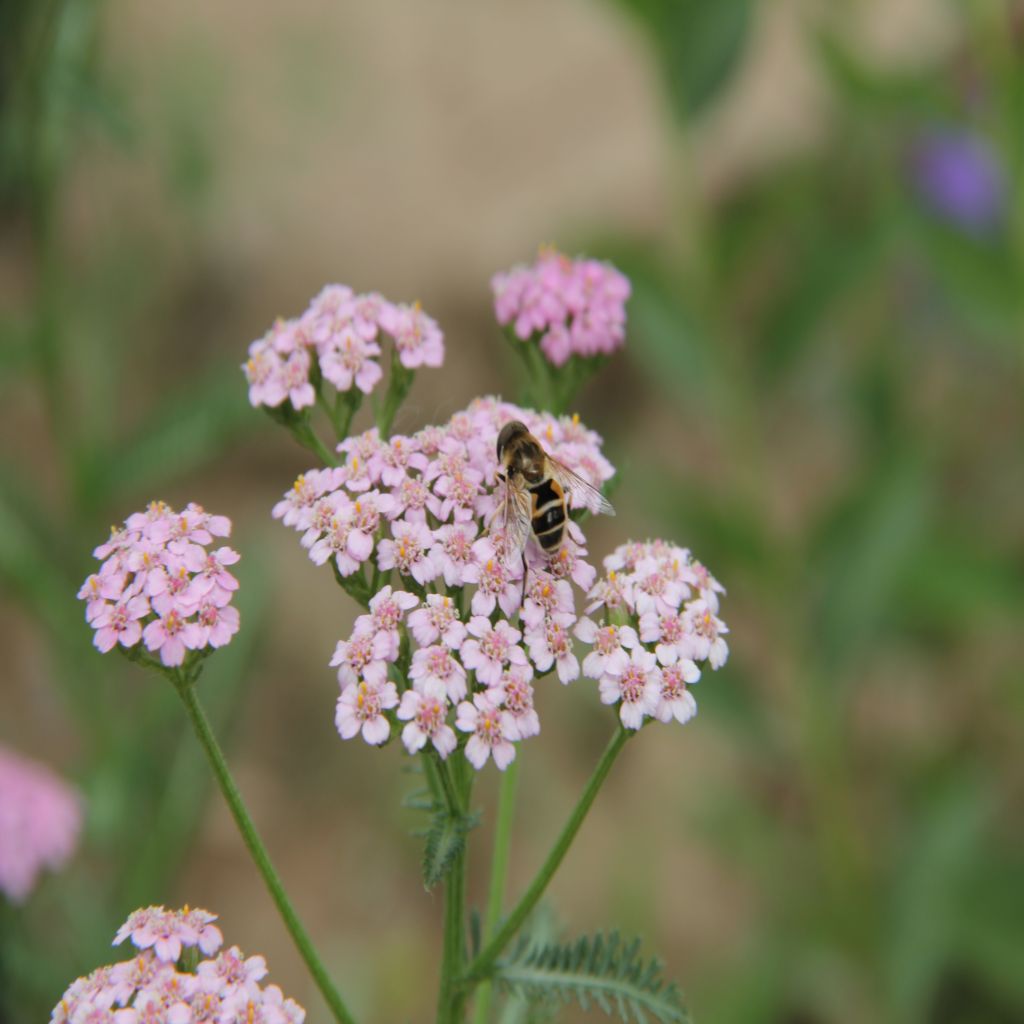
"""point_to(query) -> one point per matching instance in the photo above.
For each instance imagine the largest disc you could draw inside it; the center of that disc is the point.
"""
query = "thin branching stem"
(185, 686)
(499, 872)
(482, 965)
(451, 996)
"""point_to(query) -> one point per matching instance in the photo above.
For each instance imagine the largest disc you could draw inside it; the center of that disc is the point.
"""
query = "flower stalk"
(481, 966)
(451, 997)
(185, 685)
(499, 873)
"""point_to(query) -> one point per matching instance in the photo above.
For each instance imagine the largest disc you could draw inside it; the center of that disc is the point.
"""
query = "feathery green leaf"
(594, 969)
(446, 838)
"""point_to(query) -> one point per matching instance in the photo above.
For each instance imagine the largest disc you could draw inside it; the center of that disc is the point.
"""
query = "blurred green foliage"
(698, 45)
(844, 363)
(829, 307)
(73, 344)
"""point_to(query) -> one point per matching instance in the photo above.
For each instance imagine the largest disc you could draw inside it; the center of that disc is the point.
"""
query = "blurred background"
(821, 208)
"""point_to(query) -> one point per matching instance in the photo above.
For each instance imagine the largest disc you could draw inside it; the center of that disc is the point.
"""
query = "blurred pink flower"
(40, 819)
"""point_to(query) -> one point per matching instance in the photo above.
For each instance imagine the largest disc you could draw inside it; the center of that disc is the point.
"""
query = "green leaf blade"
(592, 970)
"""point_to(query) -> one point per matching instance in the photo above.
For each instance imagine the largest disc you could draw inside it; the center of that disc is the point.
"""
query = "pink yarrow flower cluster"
(417, 509)
(417, 512)
(40, 819)
(473, 676)
(160, 584)
(339, 336)
(575, 307)
(225, 988)
(651, 621)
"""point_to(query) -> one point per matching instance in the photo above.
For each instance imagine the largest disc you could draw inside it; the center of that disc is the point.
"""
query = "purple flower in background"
(960, 177)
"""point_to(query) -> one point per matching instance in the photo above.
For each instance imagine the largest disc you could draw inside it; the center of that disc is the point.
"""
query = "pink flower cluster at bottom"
(40, 819)
(223, 989)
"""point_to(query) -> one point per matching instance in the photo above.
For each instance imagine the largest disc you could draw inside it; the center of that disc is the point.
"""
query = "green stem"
(499, 872)
(309, 438)
(399, 381)
(451, 997)
(448, 786)
(480, 967)
(346, 405)
(187, 692)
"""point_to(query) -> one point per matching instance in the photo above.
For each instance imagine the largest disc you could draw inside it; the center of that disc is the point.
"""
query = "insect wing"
(582, 494)
(513, 520)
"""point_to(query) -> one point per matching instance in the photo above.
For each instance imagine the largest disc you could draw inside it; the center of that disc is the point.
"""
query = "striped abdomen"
(547, 515)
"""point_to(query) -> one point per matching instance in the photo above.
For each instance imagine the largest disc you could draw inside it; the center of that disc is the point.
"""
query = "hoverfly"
(537, 487)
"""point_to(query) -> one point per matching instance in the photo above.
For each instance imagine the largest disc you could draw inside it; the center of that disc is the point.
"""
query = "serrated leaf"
(445, 841)
(599, 969)
(419, 800)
